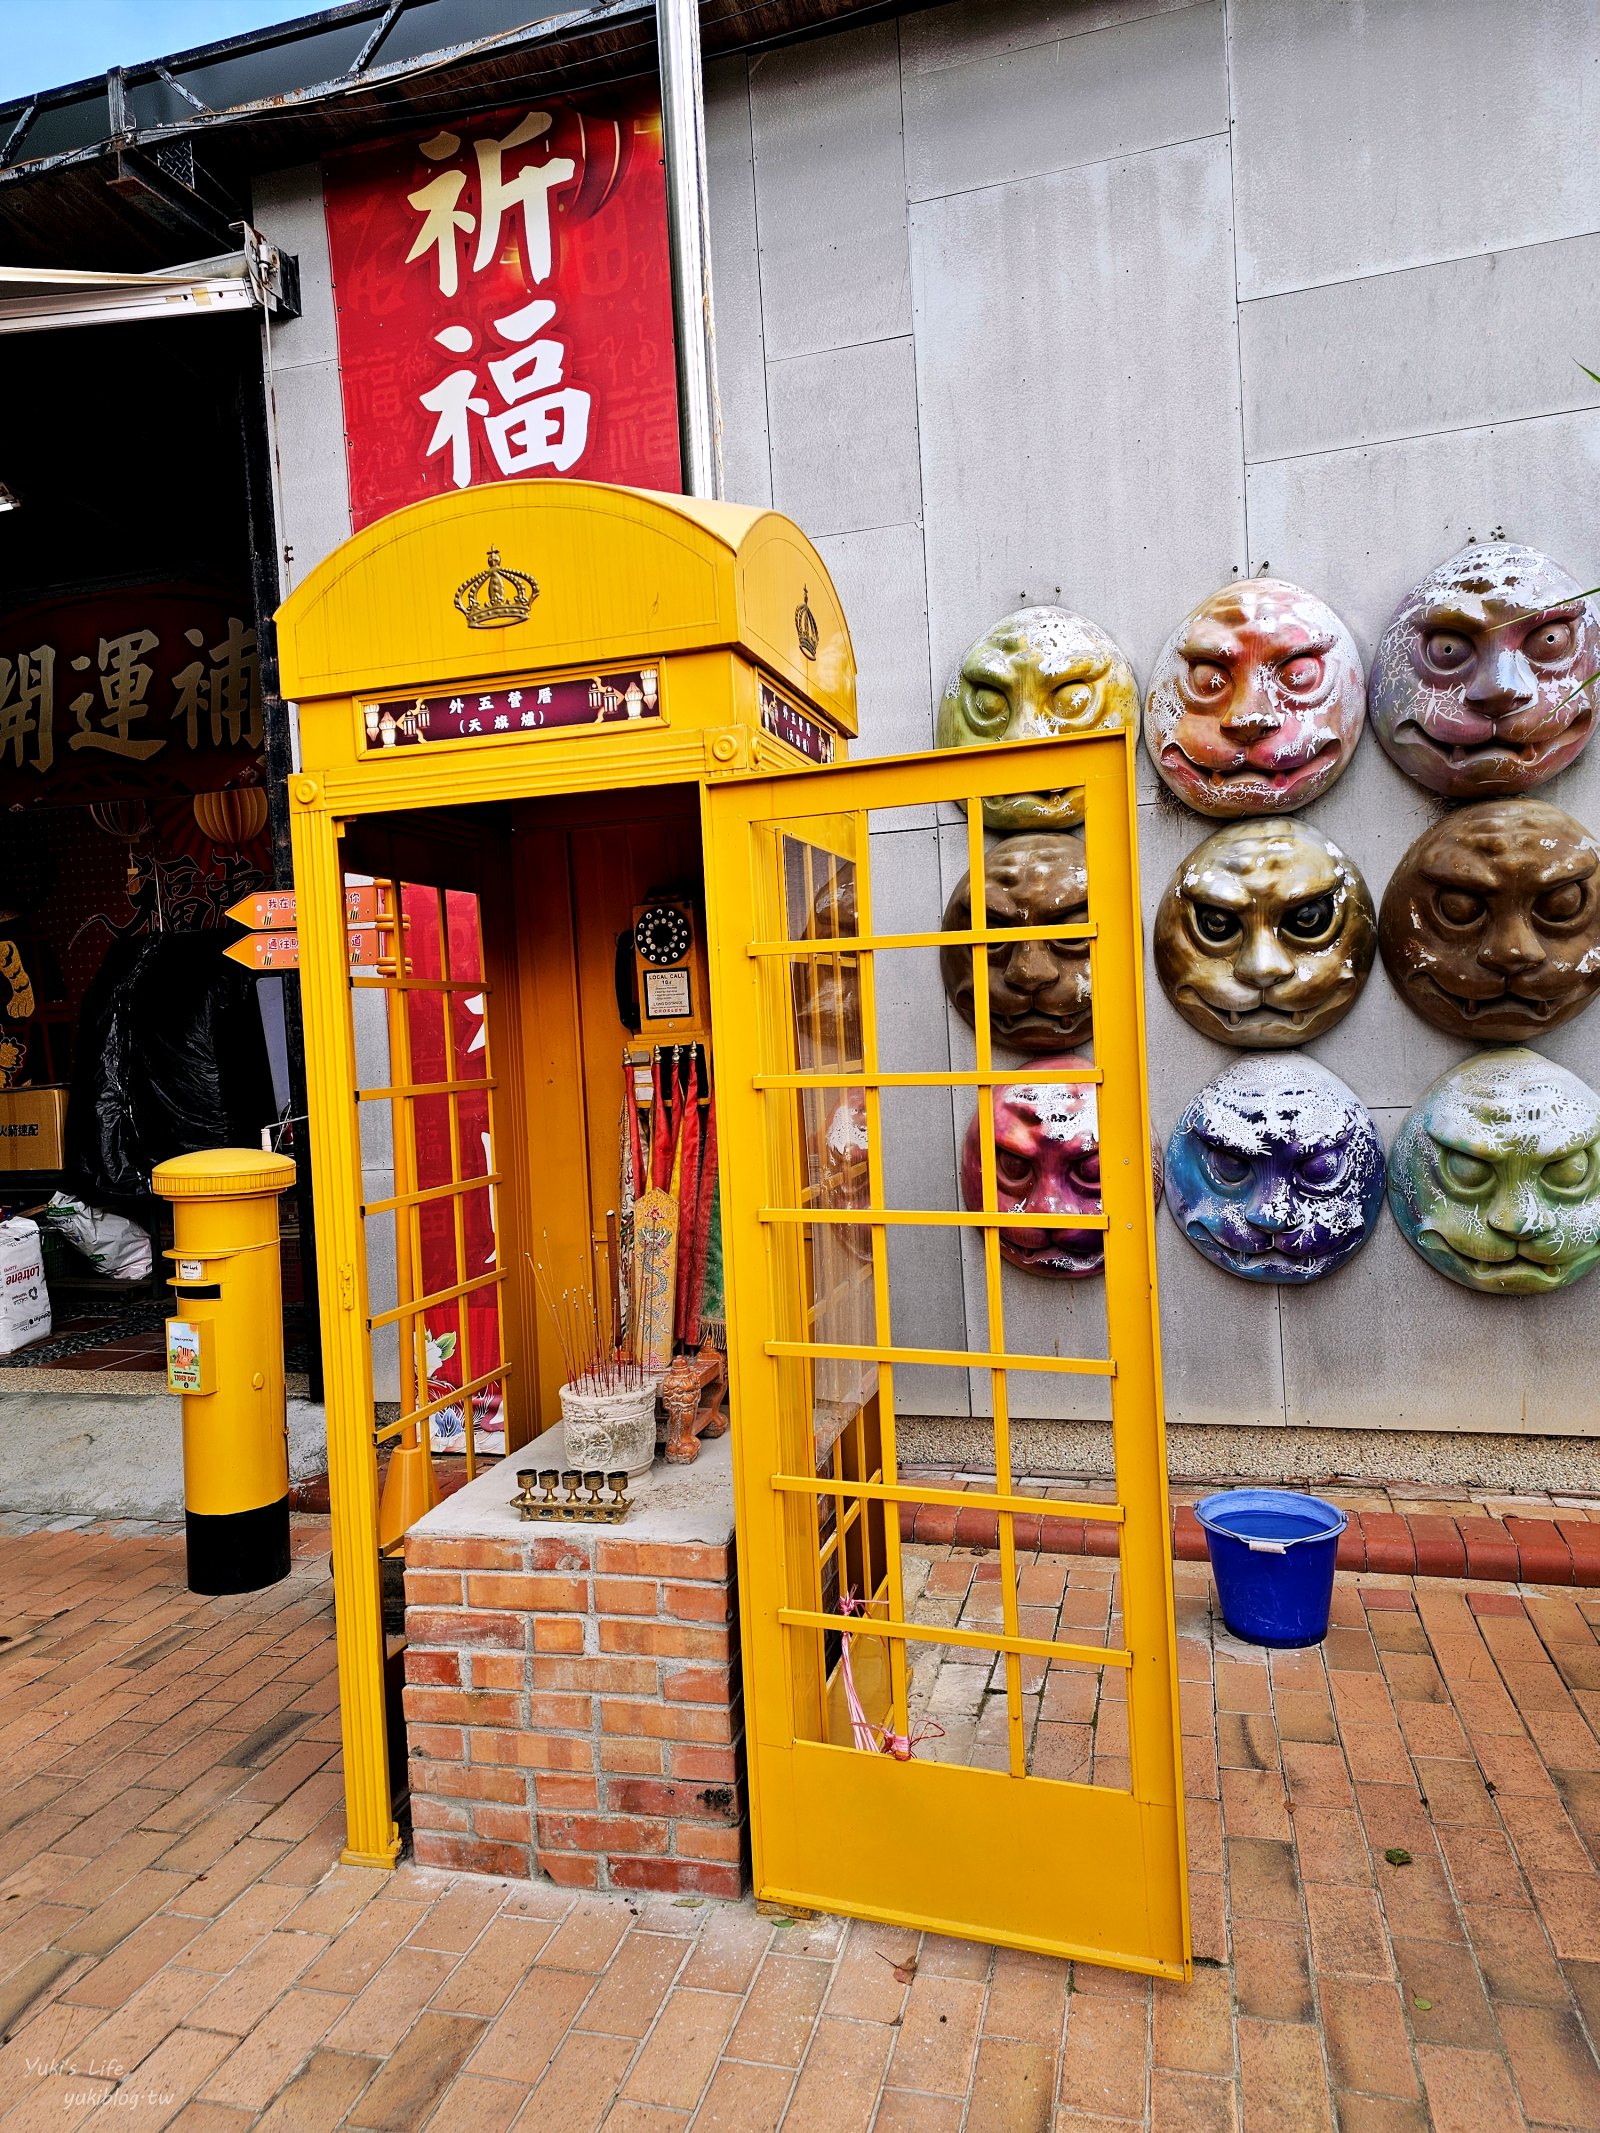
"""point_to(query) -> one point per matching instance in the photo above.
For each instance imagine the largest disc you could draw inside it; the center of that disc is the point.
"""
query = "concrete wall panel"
(1016, 113)
(736, 283)
(968, 30)
(1360, 527)
(844, 437)
(1055, 1318)
(881, 577)
(1077, 385)
(313, 484)
(1388, 1343)
(1221, 1346)
(287, 205)
(1387, 133)
(312, 474)
(1437, 348)
(830, 188)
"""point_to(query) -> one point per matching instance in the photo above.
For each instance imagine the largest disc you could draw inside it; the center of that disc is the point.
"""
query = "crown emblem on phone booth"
(497, 596)
(805, 625)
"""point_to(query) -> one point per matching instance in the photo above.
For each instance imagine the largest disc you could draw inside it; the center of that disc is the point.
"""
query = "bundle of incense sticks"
(591, 1360)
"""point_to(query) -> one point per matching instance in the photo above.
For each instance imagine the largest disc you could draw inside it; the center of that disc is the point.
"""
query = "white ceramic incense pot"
(610, 1431)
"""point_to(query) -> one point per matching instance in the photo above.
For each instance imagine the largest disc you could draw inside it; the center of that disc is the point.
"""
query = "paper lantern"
(234, 818)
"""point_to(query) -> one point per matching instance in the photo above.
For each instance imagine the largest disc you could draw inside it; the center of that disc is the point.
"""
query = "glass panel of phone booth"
(814, 1239)
(426, 1100)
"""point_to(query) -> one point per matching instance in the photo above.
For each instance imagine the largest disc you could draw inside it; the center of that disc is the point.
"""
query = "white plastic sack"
(112, 1244)
(24, 1299)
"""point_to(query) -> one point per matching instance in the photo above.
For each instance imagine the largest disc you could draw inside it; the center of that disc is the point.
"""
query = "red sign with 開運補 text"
(503, 295)
(142, 690)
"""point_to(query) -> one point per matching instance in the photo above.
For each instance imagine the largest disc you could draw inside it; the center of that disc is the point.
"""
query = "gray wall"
(1109, 301)
(1125, 299)
(312, 479)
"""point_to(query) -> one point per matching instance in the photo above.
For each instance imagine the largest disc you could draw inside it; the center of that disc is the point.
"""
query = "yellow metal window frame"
(395, 977)
(335, 1095)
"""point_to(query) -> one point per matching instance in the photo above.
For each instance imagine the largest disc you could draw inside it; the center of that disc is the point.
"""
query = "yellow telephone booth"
(576, 798)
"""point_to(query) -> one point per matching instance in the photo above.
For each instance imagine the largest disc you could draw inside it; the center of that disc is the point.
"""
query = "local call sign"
(503, 296)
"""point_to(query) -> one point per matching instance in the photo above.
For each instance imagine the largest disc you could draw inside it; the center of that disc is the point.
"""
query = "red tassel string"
(702, 1224)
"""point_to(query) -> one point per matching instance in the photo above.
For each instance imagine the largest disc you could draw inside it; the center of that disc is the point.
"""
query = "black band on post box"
(238, 1551)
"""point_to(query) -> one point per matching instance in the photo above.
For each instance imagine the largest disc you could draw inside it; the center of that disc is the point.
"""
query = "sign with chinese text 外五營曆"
(267, 910)
(806, 735)
(503, 297)
(133, 691)
(530, 707)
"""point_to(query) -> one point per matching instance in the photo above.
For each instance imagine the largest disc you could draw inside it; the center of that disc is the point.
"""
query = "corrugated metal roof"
(134, 168)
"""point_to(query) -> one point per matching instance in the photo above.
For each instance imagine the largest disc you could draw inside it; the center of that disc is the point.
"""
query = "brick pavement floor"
(179, 1947)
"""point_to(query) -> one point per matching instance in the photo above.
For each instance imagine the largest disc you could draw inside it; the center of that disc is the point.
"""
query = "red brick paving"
(1558, 1545)
(178, 1947)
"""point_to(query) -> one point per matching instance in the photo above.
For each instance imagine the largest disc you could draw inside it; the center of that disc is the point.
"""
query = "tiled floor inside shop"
(124, 1336)
(1393, 1842)
(100, 1336)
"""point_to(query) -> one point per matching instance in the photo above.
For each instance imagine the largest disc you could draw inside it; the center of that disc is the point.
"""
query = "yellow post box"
(225, 1357)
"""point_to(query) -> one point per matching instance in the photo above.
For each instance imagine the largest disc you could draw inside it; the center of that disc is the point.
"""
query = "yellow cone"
(408, 1488)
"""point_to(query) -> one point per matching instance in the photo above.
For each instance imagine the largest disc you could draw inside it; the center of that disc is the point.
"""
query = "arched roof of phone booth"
(621, 574)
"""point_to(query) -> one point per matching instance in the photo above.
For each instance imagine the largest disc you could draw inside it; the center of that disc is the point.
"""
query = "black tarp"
(170, 1058)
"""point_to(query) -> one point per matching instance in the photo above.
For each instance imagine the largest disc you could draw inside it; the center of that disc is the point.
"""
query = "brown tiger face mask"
(1491, 922)
(1265, 935)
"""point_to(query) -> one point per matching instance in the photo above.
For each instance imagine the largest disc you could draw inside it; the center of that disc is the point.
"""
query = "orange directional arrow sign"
(266, 951)
(267, 909)
(281, 951)
(275, 910)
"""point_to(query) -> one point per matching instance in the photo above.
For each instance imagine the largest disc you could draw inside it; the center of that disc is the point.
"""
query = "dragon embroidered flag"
(503, 296)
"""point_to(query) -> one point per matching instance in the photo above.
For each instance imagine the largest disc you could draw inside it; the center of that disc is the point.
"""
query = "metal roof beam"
(187, 94)
(15, 136)
(391, 17)
(141, 180)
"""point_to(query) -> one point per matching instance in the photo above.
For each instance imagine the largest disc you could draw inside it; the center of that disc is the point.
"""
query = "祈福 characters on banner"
(503, 295)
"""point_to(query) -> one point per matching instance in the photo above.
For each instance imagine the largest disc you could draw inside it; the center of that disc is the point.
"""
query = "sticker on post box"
(191, 1270)
(188, 1356)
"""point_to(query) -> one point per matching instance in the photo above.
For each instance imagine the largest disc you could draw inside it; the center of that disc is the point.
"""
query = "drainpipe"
(683, 130)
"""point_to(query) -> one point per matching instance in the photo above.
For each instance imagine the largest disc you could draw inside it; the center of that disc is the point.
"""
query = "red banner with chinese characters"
(134, 693)
(503, 294)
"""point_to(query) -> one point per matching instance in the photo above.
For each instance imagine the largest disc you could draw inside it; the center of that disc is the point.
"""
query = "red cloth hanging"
(636, 1176)
(660, 1127)
(688, 1189)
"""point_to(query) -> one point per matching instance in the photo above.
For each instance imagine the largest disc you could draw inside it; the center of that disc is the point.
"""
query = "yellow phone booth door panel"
(986, 1742)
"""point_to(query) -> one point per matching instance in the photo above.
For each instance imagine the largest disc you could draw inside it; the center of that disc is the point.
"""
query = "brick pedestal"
(572, 1698)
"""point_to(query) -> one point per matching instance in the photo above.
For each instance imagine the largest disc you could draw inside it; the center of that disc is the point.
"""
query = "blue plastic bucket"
(1272, 1555)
